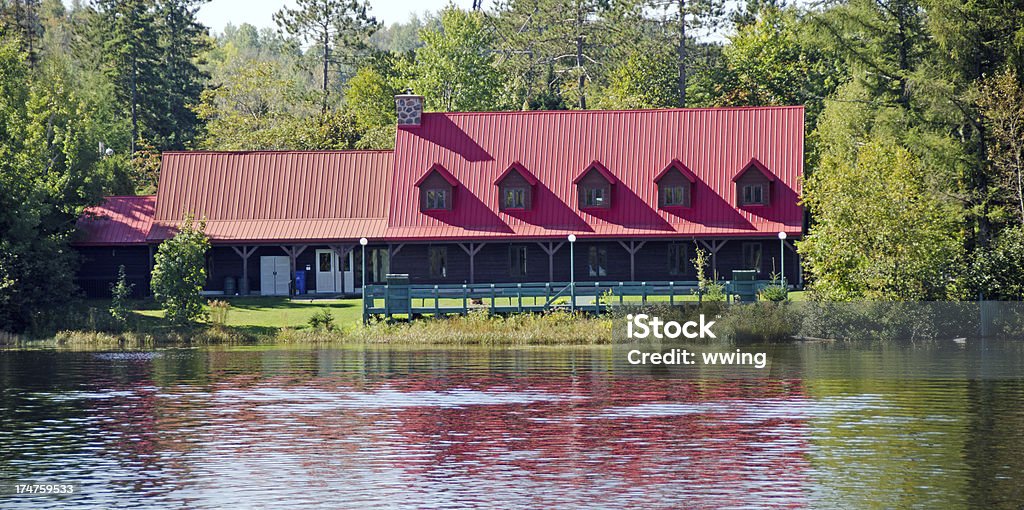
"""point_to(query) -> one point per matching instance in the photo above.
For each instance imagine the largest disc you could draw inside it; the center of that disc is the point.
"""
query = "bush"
(709, 287)
(322, 320)
(180, 272)
(121, 291)
(762, 322)
(775, 292)
(219, 312)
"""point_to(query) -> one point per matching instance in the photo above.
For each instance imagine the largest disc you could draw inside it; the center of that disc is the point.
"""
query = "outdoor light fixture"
(572, 272)
(362, 243)
(782, 257)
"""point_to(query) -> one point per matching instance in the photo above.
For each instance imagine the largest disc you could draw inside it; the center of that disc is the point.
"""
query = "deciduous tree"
(454, 69)
(179, 273)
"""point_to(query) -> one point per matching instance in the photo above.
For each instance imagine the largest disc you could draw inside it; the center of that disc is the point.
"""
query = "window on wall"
(437, 199)
(595, 197)
(209, 266)
(438, 262)
(380, 264)
(597, 261)
(752, 256)
(514, 198)
(517, 260)
(677, 259)
(754, 194)
(678, 196)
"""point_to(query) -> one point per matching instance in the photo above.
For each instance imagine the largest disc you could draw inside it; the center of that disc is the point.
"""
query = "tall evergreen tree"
(330, 25)
(20, 19)
(149, 49)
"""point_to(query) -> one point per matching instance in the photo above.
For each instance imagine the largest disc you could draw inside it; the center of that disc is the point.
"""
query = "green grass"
(284, 320)
(271, 313)
(264, 313)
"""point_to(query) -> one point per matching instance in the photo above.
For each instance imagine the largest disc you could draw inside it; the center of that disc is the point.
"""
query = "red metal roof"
(276, 196)
(597, 166)
(439, 170)
(117, 221)
(755, 165)
(519, 169)
(679, 167)
(633, 147)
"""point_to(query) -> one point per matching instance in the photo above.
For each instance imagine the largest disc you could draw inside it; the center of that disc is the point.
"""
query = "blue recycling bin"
(300, 282)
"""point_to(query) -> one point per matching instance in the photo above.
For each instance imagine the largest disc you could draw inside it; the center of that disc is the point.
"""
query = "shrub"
(179, 273)
(709, 287)
(219, 312)
(322, 320)
(762, 322)
(775, 292)
(121, 291)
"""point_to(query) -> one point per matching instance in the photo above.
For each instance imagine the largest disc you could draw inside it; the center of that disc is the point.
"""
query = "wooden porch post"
(713, 246)
(471, 249)
(342, 251)
(149, 276)
(293, 254)
(245, 253)
(632, 248)
(550, 248)
(799, 274)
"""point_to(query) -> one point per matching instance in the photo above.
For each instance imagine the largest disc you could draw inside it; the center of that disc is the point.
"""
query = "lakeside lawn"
(266, 313)
(260, 313)
(286, 320)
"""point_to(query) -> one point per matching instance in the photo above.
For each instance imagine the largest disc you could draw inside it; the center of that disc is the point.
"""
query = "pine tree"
(148, 49)
(331, 25)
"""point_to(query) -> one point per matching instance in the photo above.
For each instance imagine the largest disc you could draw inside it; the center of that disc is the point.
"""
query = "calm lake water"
(371, 427)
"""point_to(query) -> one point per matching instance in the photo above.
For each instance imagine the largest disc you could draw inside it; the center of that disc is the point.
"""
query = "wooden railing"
(444, 299)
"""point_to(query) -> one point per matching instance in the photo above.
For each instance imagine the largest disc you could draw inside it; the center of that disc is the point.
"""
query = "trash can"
(397, 298)
(744, 285)
(229, 285)
(300, 282)
(745, 275)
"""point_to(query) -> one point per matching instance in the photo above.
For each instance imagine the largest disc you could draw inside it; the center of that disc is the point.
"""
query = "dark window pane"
(438, 262)
(677, 259)
(517, 261)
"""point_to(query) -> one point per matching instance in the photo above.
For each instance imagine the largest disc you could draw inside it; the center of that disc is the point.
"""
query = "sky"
(218, 13)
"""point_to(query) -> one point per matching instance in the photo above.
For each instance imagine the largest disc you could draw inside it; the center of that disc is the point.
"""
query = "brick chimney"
(409, 108)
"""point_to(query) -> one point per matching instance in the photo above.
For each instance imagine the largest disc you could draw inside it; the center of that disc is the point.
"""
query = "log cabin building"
(486, 197)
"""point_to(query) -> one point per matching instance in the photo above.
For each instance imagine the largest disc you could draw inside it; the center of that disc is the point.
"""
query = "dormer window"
(437, 199)
(594, 196)
(515, 198)
(678, 196)
(437, 189)
(753, 185)
(675, 185)
(515, 188)
(595, 187)
(754, 194)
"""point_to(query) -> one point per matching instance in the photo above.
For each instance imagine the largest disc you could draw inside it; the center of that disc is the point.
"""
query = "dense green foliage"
(179, 273)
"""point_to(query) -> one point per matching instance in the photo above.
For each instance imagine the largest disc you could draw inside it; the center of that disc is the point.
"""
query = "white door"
(326, 271)
(350, 272)
(274, 277)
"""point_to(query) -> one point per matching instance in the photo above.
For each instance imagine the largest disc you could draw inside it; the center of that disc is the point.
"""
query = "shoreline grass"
(266, 321)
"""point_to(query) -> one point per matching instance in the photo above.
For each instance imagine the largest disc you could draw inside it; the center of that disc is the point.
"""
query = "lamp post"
(572, 272)
(362, 246)
(782, 257)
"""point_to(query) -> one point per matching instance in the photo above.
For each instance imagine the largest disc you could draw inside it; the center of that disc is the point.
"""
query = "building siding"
(98, 269)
